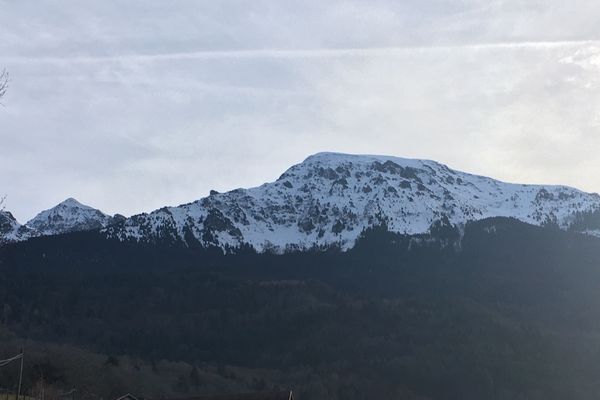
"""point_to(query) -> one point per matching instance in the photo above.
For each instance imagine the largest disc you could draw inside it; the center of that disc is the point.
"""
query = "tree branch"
(4, 78)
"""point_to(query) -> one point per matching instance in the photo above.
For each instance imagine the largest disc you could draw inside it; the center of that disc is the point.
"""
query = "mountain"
(330, 199)
(69, 216)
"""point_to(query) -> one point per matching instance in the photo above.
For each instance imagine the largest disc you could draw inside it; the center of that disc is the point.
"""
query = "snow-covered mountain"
(330, 199)
(68, 216)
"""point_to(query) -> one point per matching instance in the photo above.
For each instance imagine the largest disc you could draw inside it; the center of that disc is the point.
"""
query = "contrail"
(299, 53)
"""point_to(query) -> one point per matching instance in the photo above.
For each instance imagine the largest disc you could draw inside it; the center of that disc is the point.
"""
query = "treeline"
(507, 311)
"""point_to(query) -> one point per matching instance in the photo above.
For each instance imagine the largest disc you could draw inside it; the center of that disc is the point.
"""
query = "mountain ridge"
(329, 200)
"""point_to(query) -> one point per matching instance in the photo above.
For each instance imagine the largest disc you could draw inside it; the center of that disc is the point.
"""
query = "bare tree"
(3, 82)
(3, 88)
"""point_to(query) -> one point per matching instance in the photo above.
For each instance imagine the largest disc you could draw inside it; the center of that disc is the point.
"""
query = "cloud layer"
(129, 106)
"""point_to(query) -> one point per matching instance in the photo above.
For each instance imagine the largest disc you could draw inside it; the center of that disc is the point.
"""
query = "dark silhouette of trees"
(195, 376)
(511, 315)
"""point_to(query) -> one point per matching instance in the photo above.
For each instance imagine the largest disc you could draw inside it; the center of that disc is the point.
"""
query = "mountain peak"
(68, 216)
(71, 202)
(335, 157)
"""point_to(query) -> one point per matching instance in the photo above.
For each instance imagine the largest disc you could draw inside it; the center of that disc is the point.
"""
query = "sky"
(132, 105)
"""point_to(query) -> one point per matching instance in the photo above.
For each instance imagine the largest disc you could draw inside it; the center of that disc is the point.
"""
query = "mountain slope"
(513, 315)
(11, 230)
(330, 199)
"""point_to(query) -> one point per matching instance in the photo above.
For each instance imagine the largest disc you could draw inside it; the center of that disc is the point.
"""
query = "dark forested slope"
(505, 310)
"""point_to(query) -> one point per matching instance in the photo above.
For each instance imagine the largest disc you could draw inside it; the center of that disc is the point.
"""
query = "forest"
(503, 310)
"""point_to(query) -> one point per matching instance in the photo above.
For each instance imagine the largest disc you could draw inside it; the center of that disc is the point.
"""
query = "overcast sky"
(132, 105)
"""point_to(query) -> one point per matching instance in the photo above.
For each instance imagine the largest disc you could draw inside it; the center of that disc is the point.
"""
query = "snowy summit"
(68, 216)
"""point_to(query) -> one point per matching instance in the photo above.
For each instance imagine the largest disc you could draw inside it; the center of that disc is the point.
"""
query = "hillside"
(509, 313)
